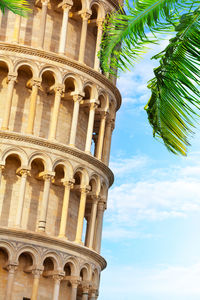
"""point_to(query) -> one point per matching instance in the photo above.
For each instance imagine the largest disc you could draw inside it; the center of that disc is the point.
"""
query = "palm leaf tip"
(175, 100)
(20, 7)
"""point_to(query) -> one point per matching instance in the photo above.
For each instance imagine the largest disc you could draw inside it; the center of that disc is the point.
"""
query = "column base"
(79, 242)
(4, 128)
(88, 152)
(63, 237)
(72, 145)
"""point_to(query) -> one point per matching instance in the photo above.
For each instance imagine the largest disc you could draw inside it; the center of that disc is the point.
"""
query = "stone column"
(90, 127)
(77, 99)
(63, 37)
(17, 26)
(43, 23)
(107, 141)
(35, 84)
(74, 284)
(85, 292)
(57, 278)
(101, 135)
(11, 274)
(92, 295)
(44, 206)
(54, 120)
(81, 214)
(92, 223)
(63, 223)
(36, 278)
(8, 103)
(23, 173)
(99, 226)
(98, 42)
(85, 17)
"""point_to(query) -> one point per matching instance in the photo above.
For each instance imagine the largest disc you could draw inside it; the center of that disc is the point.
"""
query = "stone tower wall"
(57, 113)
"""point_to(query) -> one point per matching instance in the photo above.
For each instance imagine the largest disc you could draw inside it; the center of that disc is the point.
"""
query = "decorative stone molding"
(50, 56)
(35, 240)
(60, 147)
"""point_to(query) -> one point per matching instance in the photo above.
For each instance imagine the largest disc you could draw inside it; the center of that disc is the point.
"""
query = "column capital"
(11, 267)
(69, 183)
(58, 277)
(59, 88)
(2, 167)
(37, 273)
(101, 205)
(34, 82)
(22, 171)
(77, 97)
(66, 4)
(85, 286)
(85, 189)
(85, 15)
(104, 114)
(12, 77)
(111, 123)
(100, 23)
(94, 104)
(93, 292)
(75, 282)
(47, 176)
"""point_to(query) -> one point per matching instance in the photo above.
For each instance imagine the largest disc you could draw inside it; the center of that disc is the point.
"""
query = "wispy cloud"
(122, 167)
(161, 194)
(162, 282)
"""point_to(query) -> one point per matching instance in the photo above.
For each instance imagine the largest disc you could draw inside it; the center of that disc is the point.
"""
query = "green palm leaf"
(20, 7)
(175, 97)
(132, 30)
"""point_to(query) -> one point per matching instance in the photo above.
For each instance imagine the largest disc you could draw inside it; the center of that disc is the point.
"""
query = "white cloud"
(120, 167)
(162, 282)
(160, 194)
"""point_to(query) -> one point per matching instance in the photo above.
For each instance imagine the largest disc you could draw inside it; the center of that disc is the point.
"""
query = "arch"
(73, 265)
(93, 90)
(104, 100)
(104, 190)
(9, 249)
(112, 108)
(85, 175)
(95, 278)
(85, 269)
(55, 259)
(32, 252)
(100, 11)
(27, 63)
(8, 62)
(97, 180)
(45, 159)
(68, 169)
(54, 70)
(15, 151)
(77, 81)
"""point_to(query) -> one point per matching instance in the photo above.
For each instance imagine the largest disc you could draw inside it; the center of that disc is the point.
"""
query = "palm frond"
(20, 7)
(137, 29)
(173, 107)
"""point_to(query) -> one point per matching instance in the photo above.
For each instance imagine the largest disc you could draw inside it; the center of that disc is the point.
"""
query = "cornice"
(60, 147)
(49, 241)
(65, 61)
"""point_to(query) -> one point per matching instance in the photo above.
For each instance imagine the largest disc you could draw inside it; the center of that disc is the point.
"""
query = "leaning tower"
(57, 114)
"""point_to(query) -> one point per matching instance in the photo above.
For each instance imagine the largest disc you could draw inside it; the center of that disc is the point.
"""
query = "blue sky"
(151, 237)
